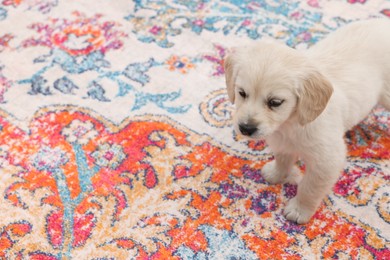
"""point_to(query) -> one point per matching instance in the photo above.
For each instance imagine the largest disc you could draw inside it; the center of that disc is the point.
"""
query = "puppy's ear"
(313, 96)
(229, 76)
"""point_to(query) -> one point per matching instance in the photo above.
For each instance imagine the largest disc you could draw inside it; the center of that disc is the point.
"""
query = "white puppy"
(302, 102)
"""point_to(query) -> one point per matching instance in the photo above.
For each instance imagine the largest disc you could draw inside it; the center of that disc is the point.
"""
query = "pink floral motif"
(79, 132)
(44, 6)
(155, 30)
(313, 3)
(386, 12)
(5, 84)
(79, 36)
(49, 159)
(110, 156)
(4, 41)
(357, 1)
(217, 59)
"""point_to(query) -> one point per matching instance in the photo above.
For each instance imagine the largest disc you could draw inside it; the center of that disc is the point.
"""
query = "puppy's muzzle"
(247, 129)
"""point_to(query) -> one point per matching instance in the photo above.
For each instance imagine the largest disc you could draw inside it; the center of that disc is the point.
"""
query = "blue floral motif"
(96, 91)
(137, 71)
(222, 245)
(142, 99)
(250, 18)
(3, 14)
(95, 61)
(38, 86)
(65, 85)
(51, 160)
(91, 62)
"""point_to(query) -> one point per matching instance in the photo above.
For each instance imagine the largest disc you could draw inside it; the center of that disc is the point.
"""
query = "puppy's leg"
(322, 173)
(278, 170)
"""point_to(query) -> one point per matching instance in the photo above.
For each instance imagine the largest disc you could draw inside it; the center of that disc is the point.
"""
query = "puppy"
(302, 103)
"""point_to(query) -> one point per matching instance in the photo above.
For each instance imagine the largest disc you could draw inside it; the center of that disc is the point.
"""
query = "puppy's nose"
(247, 129)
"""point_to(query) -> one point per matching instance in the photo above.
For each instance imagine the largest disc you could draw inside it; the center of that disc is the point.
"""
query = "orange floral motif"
(116, 180)
(364, 136)
(182, 64)
(10, 234)
(12, 2)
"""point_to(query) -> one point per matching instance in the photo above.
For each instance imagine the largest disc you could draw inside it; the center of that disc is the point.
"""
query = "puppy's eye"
(242, 93)
(274, 102)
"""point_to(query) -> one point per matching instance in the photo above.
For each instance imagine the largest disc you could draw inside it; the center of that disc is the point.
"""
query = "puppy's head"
(271, 84)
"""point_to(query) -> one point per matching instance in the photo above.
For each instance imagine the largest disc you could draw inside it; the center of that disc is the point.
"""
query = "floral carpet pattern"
(116, 140)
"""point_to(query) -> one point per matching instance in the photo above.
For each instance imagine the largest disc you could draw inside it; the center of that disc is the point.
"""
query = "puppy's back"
(358, 41)
(356, 59)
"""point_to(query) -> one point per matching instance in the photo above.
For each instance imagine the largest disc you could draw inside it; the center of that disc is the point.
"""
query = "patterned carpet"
(116, 140)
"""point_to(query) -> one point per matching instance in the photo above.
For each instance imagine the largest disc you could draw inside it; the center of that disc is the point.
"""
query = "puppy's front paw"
(298, 212)
(271, 174)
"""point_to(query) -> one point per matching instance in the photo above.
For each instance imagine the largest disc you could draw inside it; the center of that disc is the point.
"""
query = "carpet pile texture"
(116, 139)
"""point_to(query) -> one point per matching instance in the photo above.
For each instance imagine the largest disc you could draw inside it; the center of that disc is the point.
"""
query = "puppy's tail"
(385, 97)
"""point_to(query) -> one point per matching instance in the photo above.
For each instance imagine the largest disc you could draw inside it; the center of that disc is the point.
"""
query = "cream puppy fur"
(302, 103)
